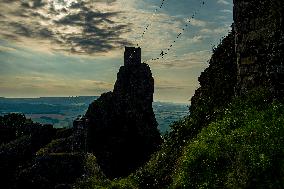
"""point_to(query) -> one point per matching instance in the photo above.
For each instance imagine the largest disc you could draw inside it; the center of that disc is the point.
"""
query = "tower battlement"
(132, 56)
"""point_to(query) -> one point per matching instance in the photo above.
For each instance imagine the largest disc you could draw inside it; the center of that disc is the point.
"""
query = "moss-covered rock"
(58, 170)
(122, 130)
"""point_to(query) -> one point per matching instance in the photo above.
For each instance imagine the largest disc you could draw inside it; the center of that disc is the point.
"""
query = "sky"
(75, 47)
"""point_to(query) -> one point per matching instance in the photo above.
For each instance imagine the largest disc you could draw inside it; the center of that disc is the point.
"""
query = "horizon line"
(187, 103)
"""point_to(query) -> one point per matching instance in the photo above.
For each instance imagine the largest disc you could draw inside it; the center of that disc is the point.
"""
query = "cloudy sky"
(75, 47)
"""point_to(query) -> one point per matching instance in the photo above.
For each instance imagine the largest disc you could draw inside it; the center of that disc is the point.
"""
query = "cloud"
(198, 23)
(164, 84)
(167, 90)
(187, 61)
(29, 86)
(220, 30)
(33, 3)
(97, 29)
(224, 2)
(196, 39)
(83, 27)
(6, 49)
(226, 11)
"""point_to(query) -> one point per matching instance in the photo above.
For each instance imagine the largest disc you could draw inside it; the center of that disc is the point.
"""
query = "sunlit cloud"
(226, 11)
(82, 27)
(75, 47)
(220, 30)
(6, 49)
(198, 23)
(25, 86)
(224, 2)
(187, 61)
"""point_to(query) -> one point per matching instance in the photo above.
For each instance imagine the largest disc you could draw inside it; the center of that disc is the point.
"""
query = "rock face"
(122, 131)
(251, 56)
(217, 82)
(259, 43)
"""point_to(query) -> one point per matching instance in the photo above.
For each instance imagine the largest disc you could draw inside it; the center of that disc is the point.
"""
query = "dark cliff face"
(217, 82)
(135, 83)
(122, 130)
(251, 56)
(259, 44)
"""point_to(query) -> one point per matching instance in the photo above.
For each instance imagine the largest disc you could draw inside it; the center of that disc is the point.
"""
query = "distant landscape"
(226, 56)
(61, 111)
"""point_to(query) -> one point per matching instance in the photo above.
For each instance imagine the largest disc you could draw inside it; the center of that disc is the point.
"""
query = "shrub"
(242, 149)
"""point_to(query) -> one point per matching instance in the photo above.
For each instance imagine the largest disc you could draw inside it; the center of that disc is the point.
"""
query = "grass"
(241, 148)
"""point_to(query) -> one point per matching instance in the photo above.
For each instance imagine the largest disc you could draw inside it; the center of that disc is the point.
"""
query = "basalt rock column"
(122, 130)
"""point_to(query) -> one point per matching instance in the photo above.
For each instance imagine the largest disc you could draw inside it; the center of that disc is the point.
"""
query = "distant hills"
(61, 111)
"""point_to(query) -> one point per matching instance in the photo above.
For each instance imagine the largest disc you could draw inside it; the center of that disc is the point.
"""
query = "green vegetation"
(225, 142)
(59, 169)
(217, 83)
(241, 148)
(22, 140)
(62, 145)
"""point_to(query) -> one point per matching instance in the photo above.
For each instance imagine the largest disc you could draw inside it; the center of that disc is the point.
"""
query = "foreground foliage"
(241, 148)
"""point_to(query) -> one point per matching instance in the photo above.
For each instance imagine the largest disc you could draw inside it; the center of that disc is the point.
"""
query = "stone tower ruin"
(132, 56)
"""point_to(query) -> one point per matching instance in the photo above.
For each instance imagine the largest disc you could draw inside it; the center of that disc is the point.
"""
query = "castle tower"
(132, 56)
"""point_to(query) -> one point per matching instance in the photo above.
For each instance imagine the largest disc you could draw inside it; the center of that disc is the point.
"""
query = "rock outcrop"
(250, 57)
(122, 131)
(259, 43)
(217, 82)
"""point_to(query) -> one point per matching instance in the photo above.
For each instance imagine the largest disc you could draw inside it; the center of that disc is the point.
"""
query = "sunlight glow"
(60, 4)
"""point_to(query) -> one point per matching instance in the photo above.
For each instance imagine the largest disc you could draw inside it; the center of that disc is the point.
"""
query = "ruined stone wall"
(259, 42)
(132, 55)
